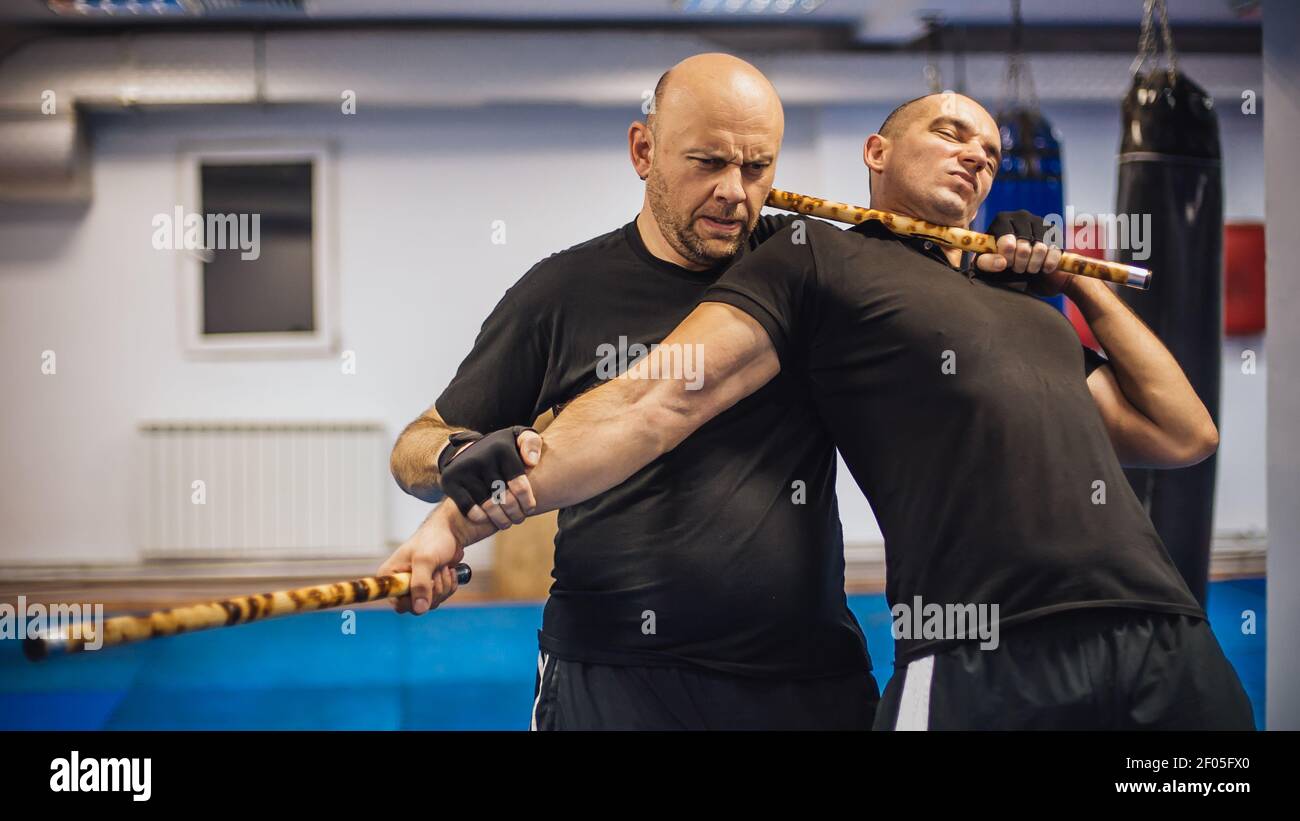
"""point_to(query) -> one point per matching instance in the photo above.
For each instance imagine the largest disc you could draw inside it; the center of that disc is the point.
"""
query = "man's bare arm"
(414, 460)
(1153, 415)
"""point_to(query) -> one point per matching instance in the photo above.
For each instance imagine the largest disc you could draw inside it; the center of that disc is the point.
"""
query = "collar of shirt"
(929, 248)
(926, 247)
(633, 235)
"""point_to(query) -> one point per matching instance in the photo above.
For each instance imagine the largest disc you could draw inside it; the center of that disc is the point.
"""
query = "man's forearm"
(611, 432)
(606, 436)
(1146, 372)
(601, 439)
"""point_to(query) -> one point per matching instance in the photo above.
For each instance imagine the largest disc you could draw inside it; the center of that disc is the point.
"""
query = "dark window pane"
(271, 293)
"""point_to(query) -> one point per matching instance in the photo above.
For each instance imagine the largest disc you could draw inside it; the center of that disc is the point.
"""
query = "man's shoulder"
(794, 239)
(776, 223)
(563, 269)
(869, 239)
(574, 257)
(603, 244)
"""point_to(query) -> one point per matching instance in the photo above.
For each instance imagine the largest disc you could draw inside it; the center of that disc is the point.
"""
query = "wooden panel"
(522, 558)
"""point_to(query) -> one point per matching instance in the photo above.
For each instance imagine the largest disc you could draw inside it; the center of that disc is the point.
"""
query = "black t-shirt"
(712, 555)
(962, 409)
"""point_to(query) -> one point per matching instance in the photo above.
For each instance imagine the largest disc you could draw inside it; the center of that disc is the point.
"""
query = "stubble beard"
(681, 234)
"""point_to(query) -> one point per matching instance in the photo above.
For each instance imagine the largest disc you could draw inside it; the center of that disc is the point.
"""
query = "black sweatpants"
(573, 695)
(1091, 669)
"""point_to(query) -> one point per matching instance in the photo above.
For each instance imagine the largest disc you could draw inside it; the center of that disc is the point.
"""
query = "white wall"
(417, 193)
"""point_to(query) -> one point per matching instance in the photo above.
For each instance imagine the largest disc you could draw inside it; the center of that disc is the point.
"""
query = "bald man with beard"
(697, 594)
(707, 589)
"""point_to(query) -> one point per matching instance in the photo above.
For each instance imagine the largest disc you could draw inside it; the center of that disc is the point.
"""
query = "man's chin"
(712, 251)
(721, 250)
(952, 213)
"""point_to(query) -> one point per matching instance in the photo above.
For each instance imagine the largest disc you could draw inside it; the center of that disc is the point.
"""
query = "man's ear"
(640, 146)
(874, 151)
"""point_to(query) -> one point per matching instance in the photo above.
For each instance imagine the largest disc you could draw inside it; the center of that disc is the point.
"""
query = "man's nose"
(730, 188)
(973, 158)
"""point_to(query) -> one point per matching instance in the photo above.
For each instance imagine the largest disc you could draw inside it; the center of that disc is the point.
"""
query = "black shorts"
(574, 695)
(1094, 669)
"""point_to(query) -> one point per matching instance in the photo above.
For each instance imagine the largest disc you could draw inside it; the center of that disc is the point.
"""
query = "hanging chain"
(933, 74)
(1147, 47)
(1018, 86)
(1169, 40)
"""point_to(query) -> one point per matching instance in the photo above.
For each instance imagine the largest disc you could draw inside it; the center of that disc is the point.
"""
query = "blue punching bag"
(1030, 176)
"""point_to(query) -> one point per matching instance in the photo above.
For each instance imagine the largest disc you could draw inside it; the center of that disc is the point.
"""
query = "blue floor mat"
(459, 668)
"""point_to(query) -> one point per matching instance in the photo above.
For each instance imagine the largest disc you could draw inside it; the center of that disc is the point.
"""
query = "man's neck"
(657, 245)
(953, 254)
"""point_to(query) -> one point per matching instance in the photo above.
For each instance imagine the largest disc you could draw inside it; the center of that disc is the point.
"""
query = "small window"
(251, 232)
(260, 283)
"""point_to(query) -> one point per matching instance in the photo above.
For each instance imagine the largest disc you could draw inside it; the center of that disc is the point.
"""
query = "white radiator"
(265, 490)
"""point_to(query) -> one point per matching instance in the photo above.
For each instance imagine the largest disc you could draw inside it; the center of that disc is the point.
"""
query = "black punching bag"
(1170, 168)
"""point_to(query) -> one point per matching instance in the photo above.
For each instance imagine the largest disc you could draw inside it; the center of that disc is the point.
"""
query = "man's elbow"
(399, 465)
(1197, 448)
(1207, 443)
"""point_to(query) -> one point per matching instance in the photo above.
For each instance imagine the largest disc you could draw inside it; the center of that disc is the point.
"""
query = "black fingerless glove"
(454, 443)
(1024, 225)
(468, 477)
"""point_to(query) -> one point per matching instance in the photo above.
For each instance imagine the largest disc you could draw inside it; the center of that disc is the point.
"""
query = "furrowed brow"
(726, 156)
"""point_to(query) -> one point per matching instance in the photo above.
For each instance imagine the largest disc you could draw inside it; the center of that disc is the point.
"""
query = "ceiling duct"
(44, 158)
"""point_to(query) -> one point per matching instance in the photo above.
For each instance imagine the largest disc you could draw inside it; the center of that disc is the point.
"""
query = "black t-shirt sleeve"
(773, 285)
(1092, 361)
(500, 382)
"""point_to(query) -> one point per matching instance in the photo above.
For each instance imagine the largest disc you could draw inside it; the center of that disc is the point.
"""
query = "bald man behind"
(706, 591)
